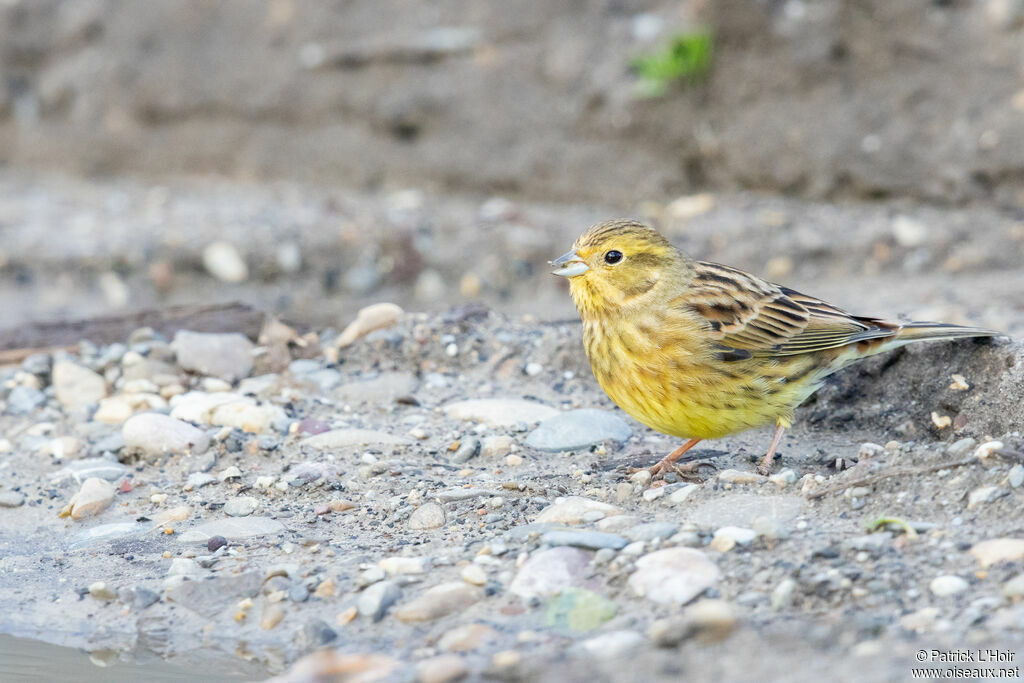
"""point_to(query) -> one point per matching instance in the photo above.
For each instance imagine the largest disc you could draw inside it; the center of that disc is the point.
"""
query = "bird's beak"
(569, 265)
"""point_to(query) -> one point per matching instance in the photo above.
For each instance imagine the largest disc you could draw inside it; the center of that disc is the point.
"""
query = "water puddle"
(23, 660)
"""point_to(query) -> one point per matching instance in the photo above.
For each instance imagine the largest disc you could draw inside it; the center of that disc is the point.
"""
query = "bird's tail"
(924, 331)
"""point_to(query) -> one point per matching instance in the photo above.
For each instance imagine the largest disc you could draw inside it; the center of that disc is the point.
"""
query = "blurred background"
(310, 157)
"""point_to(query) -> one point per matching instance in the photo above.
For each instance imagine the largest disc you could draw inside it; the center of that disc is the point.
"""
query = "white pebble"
(943, 586)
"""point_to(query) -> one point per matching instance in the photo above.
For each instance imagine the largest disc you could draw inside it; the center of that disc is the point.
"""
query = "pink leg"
(665, 464)
(765, 466)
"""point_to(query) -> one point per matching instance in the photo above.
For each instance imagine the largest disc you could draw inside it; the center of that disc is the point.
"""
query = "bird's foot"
(764, 468)
(686, 471)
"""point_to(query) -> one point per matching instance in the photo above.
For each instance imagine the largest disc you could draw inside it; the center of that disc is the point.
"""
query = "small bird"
(700, 350)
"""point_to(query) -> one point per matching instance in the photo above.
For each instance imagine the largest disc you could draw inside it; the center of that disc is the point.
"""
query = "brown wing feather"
(750, 314)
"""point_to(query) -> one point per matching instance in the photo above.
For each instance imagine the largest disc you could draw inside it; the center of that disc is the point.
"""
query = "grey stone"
(227, 356)
(23, 400)
(234, 529)
(240, 506)
(650, 531)
(198, 480)
(101, 467)
(384, 388)
(439, 601)
(427, 516)
(449, 495)
(550, 571)
(578, 429)
(377, 598)
(673, 575)
(468, 449)
(209, 597)
(143, 598)
(77, 386)
(11, 499)
(592, 540)
(155, 433)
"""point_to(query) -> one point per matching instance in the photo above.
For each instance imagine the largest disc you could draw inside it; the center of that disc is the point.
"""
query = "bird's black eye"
(612, 257)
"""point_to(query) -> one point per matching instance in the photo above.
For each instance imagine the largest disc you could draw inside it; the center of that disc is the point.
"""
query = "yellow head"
(619, 264)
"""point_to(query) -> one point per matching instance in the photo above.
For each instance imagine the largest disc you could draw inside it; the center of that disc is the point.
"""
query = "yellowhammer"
(700, 350)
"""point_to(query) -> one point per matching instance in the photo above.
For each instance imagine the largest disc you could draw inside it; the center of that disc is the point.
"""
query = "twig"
(875, 478)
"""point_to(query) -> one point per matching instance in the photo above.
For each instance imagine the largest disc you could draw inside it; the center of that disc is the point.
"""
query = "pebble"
(592, 540)
(739, 477)
(64, 447)
(384, 388)
(547, 572)
(681, 494)
(101, 591)
(496, 446)
(116, 409)
(673, 575)
(474, 574)
(227, 356)
(782, 594)
(439, 601)
(240, 506)
(611, 646)
(183, 566)
(94, 497)
(784, 478)
(468, 449)
(271, 615)
(215, 543)
(441, 669)
(342, 438)
(211, 596)
(961, 447)
(231, 472)
(11, 499)
(988, 449)
(576, 510)
(102, 467)
(578, 429)
(76, 386)
(499, 412)
(233, 529)
(222, 260)
(1016, 476)
(909, 232)
(651, 531)
(944, 586)
(466, 637)
(368, 319)
(728, 537)
(377, 598)
(711, 620)
(154, 433)
(23, 400)
(427, 516)
(998, 550)
(403, 565)
(198, 480)
(1014, 588)
(982, 495)
(579, 610)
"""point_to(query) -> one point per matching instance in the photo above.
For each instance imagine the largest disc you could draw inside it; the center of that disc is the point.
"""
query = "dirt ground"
(813, 592)
(226, 508)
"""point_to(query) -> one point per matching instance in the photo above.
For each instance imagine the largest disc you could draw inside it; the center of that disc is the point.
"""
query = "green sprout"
(686, 58)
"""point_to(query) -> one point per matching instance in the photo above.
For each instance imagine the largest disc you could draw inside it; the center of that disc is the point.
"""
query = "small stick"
(875, 478)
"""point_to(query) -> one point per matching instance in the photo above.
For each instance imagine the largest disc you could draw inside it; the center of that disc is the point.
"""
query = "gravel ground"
(452, 494)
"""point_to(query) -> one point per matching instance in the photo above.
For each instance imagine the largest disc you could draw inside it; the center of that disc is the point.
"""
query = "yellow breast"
(672, 381)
